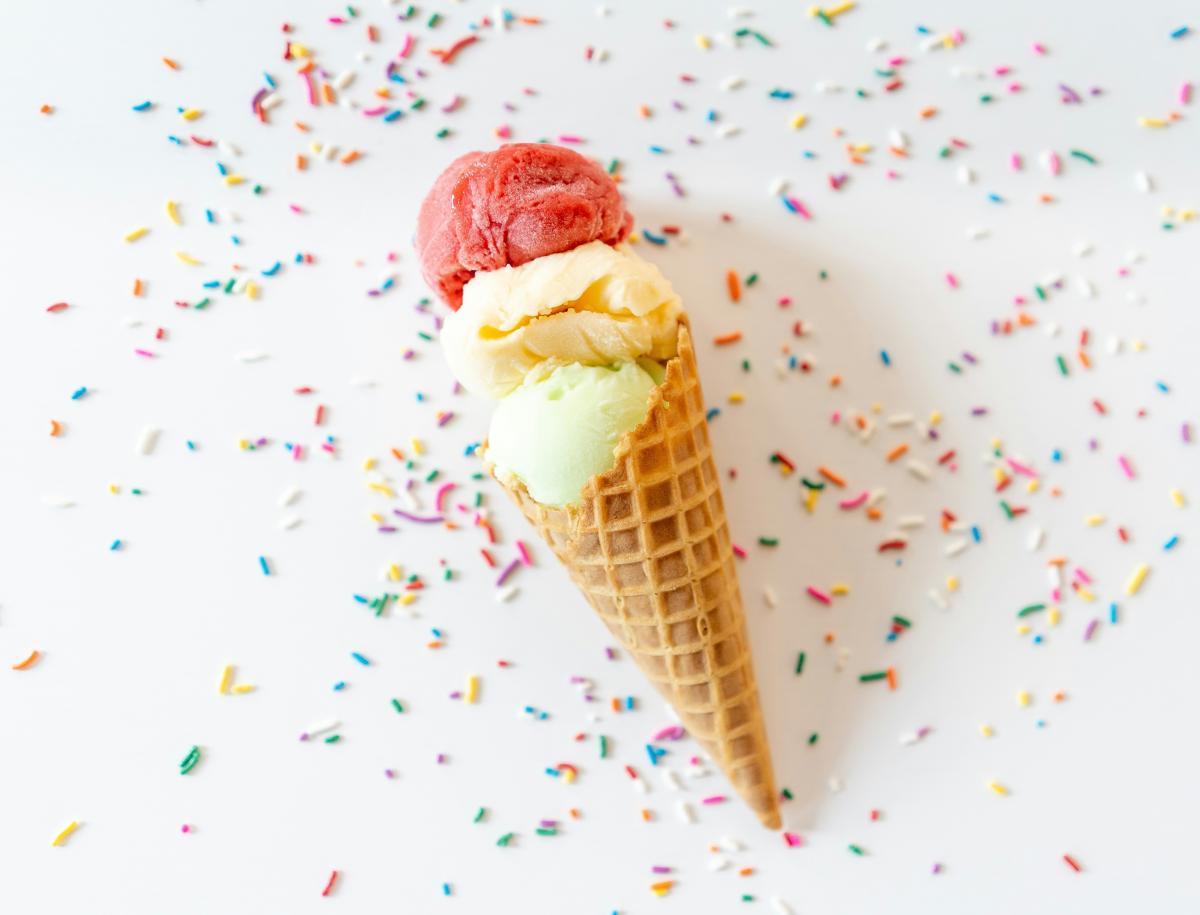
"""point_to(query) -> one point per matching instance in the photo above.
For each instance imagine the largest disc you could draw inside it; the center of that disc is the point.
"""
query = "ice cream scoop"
(556, 432)
(595, 304)
(509, 206)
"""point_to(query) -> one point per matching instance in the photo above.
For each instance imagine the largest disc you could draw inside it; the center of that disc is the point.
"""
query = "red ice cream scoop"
(489, 210)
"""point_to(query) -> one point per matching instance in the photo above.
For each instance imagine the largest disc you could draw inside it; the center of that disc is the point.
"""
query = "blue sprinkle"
(1037, 640)
(79, 392)
(1162, 386)
(922, 30)
(629, 702)
(1180, 32)
(655, 753)
(262, 563)
(793, 361)
(788, 205)
(144, 106)
(388, 283)
(995, 198)
(437, 633)
(273, 269)
(340, 685)
(360, 659)
(360, 598)
(470, 450)
(552, 771)
(654, 239)
(713, 413)
(975, 535)
(191, 445)
(1170, 544)
(211, 284)
(270, 81)
(1112, 612)
(395, 115)
(208, 215)
(883, 354)
(809, 154)
(781, 93)
(420, 397)
(657, 150)
(175, 140)
(1056, 455)
(711, 114)
(235, 239)
(222, 169)
(445, 889)
(116, 545)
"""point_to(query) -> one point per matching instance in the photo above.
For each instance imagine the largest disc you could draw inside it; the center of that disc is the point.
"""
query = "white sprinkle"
(328, 152)
(505, 594)
(361, 381)
(1114, 345)
(1054, 577)
(228, 148)
(56, 501)
(957, 546)
(836, 785)
(1135, 298)
(671, 777)
(965, 175)
(900, 419)
(601, 11)
(1143, 182)
(931, 44)
(684, 809)
(1082, 248)
(770, 598)
(777, 186)
(321, 727)
(1134, 256)
(907, 522)
(739, 12)
(728, 130)
(289, 521)
(251, 355)
(1051, 328)
(975, 233)
(147, 440)
(730, 844)
(288, 496)
(271, 101)
(919, 470)
(936, 598)
(874, 497)
(842, 659)
(897, 138)
(826, 88)
(1036, 537)
(730, 83)
(779, 907)
(718, 863)
(1085, 287)
(131, 321)
(876, 44)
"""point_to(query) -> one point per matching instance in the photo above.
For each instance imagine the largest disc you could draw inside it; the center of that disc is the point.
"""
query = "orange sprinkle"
(829, 637)
(398, 454)
(897, 151)
(1057, 561)
(47, 109)
(434, 644)
(896, 452)
(831, 476)
(835, 380)
(383, 92)
(350, 157)
(745, 872)
(734, 286)
(327, 93)
(874, 514)
(647, 815)
(55, 428)
(731, 337)
(137, 287)
(891, 677)
(644, 111)
(1026, 320)
(1060, 696)
(28, 662)
(928, 112)
(1083, 358)
(575, 814)
(170, 63)
(301, 126)
(301, 162)
(616, 704)
(306, 67)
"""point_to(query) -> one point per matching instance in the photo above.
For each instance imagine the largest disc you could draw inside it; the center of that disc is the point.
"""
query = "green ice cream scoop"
(557, 431)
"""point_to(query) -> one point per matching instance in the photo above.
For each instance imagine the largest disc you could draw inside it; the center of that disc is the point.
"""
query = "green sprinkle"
(944, 152)
(203, 303)
(1086, 157)
(425, 336)
(432, 475)
(1007, 510)
(229, 286)
(746, 897)
(189, 761)
(811, 484)
(750, 280)
(258, 188)
(745, 365)
(824, 275)
(1032, 608)
(901, 621)
(480, 815)
(446, 575)
(871, 677)
(857, 850)
(1041, 293)
(613, 165)
(504, 840)
(954, 367)
(813, 738)
(985, 99)
(761, 39)
(443, 133)
(768, 541)
(333, 738)
(397, 706)
(433, 20)
(603, 747)
(786, 792)
(821, 14)
(417, 104)
(862, 93)
(546, 831)
(800, 663)
(1062, 365)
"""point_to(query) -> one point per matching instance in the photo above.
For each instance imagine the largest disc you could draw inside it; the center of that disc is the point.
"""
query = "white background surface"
(134, 640)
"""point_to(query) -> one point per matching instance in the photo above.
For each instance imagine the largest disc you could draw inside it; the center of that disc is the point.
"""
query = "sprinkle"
(1125, 466)
(1134, 584)
(1072, 863)
(29, 661)
(819, 596)
(724, 339)
(998, 788)
(800, 663)
(472, 689)
(226, 677)
(189, 761)
(135, 234)
(361, 659)
(61, 838)
(262, 564)
(733, 285)
(329, 885)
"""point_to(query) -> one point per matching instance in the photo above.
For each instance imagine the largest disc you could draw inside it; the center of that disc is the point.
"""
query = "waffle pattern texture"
(649, 547)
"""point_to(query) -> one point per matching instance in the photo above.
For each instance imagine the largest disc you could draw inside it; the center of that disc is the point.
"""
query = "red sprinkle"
(57, 307)
(329, 886)
(892, 545)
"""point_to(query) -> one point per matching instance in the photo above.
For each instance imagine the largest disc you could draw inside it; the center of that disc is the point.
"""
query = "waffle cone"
(649, 547)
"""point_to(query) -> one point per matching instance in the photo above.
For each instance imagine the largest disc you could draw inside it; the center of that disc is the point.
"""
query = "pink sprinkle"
(144, 352)
(1053, 163)
(1185, 432)
(785, 301)
(452, 105)
(739, 552)
(1039, 48)
(835, 417)
(1090, 630)
(295, 452)
(569, 138)
(800, 207)
(407, 46)
(503, 131)
(793, 840)
(441, 496)
(1125, 466)
(1003, 70)
(1083, 576)
(185, 828)
(673, 732)
(952, 280)
(295, 208)
(819, 596)
(1021, 468)
(523, 551)
(854, 502)
(715, 799)
(1185, 93)
(376, 111)
(1014, 162)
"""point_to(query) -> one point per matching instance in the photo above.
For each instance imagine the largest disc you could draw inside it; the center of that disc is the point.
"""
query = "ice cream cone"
(649, 547)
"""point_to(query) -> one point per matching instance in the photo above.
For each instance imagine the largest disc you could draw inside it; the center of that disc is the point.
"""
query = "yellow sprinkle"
(1151, 122)
(861, 147)
(394, 573)
(935, 417)
(226, 676)
(62, 837)
(1023, 699)
(1086, 595)
(1135, 580)
(191, 114)
(380, 487)
(114, 488)
(1024, 629)
(1033, 485)
(472, 689)
(173, 212)
(244, 688)
(243, 443)
(736, 397)
(1187, 215)
(1177, 498)
(947, 41)
(999, 475)
(407, 598)
(703, 43)
(416, 445)
(376, 517)
(369, 463)
(1167, 212)
(1138, 345)
(952, 583)
(798, 121)
(299, 50)
(985, 730)
(833, 11)
(998, 788)
(186, 258)
(840, 589)
(1054, 615)
(252, 289)
(315, 148)
(633, 238)
(810, 500)
(1093, 520)
(136, 233)
(231, 180)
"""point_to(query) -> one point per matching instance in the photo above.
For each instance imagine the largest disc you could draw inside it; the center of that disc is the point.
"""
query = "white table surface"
(134, 639)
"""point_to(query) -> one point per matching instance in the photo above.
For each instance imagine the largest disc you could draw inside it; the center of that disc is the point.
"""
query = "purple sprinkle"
(508, 570)
(441, 758)
(1070, 96)
(969, 357)
(1186, 432)
(390, 773)
(1090, 630)
(435, 519)
(446, 417)
(610, 654)
(548, 824)
(258, 97)
(575, 678)
(456, 695)
(660, 869)
(979, 411)
(387, 529)
(937, 867)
